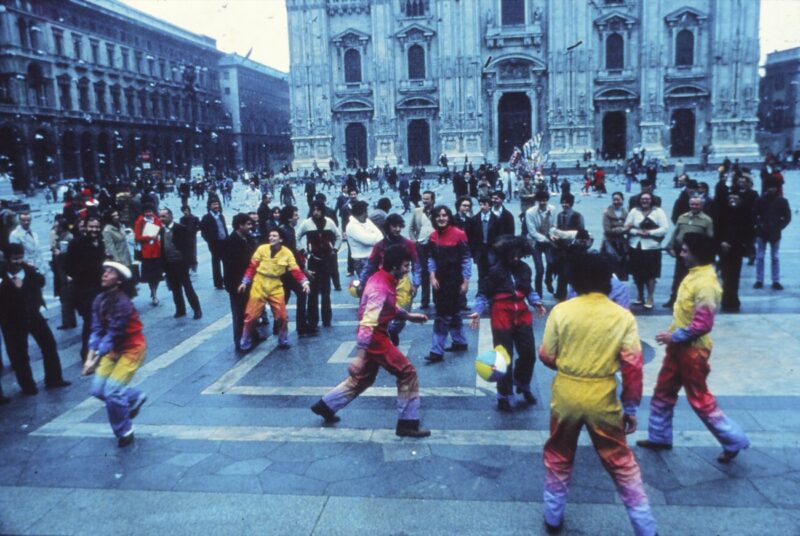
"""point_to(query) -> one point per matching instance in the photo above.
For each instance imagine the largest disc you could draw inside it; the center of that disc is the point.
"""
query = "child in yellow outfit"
(267, 265)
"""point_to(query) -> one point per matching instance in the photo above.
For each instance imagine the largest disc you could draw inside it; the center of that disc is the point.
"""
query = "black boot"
(411, 428)
(322, 409)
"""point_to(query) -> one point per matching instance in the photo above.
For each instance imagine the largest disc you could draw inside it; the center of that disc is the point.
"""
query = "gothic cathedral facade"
(402, 81)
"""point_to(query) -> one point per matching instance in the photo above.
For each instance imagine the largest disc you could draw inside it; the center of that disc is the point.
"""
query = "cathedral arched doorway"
(514, 123)
(682, 132)
(355, 144)
(44, 156)
(614, 135)
(419, 143)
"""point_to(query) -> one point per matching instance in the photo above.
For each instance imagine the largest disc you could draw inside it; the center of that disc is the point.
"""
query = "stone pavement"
(227, 445)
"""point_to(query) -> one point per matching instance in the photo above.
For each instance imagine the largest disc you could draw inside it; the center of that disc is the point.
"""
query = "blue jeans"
(775, 263)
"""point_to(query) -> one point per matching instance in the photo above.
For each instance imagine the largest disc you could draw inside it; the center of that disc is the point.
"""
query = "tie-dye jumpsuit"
(686, 364)
(117, 337)
(265, 271)
(587, 340)
(378, 307)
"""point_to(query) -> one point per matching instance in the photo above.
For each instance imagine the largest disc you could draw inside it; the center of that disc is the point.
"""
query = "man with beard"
(84, 267)
(214, 231)
(323, 241)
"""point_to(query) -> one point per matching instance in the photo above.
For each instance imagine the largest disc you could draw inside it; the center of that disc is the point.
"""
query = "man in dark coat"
(505, 220)
(84, 268)
(237, 251)
(176, 254)
(192, 224)
(733, 232)
(20, 300)
(214, 232)
(481, 232)
(771, 214)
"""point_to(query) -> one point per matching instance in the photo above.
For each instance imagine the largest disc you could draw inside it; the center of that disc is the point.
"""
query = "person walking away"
(378, 307)
(685, 364)
(603, 340)
(116, 351)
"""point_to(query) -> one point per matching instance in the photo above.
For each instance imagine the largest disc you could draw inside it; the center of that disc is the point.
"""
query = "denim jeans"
(775, 263)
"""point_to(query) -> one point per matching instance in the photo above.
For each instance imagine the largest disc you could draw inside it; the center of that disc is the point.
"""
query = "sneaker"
(125, 440)
(137, 405)
(758, 284)
(638, 301)
(777, 286)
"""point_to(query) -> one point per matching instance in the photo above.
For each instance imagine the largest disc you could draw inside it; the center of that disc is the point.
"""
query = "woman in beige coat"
(115, 240)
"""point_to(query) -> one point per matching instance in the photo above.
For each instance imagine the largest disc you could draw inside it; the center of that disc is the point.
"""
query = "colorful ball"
(352, 288)
(493, 364)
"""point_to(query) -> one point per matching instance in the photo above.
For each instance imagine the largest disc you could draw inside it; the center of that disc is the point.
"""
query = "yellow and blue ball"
(353, 289)
(493, 364)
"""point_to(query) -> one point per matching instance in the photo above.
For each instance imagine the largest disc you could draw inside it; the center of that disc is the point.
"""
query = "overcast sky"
(239, 25)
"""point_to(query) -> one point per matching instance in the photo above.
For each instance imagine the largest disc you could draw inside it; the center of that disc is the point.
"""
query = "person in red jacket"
(146, 231)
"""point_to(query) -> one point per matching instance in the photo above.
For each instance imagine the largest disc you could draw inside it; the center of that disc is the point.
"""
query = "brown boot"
(411, 428)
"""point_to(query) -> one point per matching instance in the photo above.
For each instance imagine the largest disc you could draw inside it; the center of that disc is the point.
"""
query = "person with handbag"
(116, 350)
(647, 225)
(615, 243)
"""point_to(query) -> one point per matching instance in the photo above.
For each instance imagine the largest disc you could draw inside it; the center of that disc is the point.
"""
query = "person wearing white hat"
(116, 350)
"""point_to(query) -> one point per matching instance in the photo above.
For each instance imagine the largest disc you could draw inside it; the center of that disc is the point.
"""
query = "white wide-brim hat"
(121, 269)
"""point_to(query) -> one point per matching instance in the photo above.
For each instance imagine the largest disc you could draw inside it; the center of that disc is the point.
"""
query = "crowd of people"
(271, 253)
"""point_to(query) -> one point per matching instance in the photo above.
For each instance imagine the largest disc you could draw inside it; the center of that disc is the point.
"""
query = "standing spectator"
(680, 169)
(405, 196)
(115, 240)
(693, 221)
(562, 235)
(286, 194)
(290, 217)
(615, 242)
(505, 220)
(588, 340)
(20, 303)
(420, 232)
(147, 232)
(214, 231)
(771, 214)
(450, 268)
(463, 216)
(382, 209)
(539, 220)
(362, 234)
(733, 232)
(192, 224)
(647, 226)
(60, 238)
(117, 348)
(29, 240)
(175, 257)
(414, 191)
(238, 249)
(310, 190)
(264, 211)
(481, 233)
(323, 241)
(685, 364)
(84, 267)
(554, 178)
(647, 187)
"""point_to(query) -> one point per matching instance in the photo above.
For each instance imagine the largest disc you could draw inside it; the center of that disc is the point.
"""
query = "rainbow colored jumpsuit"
(686, 364)
(378, 307)
(506, 287)
(117, 337)
(587, 340)
(265, 271)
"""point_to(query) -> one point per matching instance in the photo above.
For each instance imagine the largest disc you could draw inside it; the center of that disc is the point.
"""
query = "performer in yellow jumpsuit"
(588, 339)
(267, 265)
